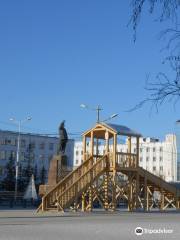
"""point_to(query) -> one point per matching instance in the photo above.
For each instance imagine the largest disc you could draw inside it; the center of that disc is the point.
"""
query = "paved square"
(26, 224)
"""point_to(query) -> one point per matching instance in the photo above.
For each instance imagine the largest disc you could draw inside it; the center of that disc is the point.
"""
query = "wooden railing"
(126, 159)
(82, 182)
(69, 188)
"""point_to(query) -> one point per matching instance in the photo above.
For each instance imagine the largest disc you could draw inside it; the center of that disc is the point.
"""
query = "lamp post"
(98, 109)
(19, 124)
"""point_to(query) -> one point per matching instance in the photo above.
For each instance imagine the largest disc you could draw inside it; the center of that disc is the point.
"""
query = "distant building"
(158, 157)
(36, 150)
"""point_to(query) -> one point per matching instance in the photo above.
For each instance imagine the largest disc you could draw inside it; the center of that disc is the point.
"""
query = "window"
(42, 145)
(77, 161)
(31, 157)
(32, 145)
(1, 171)
(41, 156)
(23, 142)
(147, 159)
(13, 142)
(7, 141)
(81, 152)
(51, 146)
(134, 150)
(147, 149)
(154, 168)
(141, 150)
(2, 155)
(160, 149)
(77, 153)
(161, 168)
(141, 159)
(2, 142)
(154, 149)
(22, 156)
(13, 155)
(154, 159)
(161, 159)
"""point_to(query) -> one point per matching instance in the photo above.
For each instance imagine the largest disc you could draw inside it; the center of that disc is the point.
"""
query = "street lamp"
(97, 109)
(19, 124)
(109, 118)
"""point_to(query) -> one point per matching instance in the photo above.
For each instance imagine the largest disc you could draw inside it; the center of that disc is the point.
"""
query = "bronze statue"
(63, 138)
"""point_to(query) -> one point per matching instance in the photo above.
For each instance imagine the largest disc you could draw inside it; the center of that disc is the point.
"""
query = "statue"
(63, 138)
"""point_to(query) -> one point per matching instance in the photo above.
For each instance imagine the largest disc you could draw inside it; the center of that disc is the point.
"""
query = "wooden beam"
(84, 148)
(83, 202)
(107, 141)
(92, 143)
(162, 200)
(137, 152)
(145, 193)
(137, 191)
(114, 151)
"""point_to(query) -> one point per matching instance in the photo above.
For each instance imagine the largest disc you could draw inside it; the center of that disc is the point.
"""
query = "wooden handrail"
(68, 176)
(79, 179)
(73, 178)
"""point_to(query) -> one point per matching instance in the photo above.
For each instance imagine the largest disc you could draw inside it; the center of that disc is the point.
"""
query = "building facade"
(35, 150)
(158, 157)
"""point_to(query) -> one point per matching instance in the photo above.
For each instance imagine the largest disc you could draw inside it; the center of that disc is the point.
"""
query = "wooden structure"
(57, 171)
(98, 178)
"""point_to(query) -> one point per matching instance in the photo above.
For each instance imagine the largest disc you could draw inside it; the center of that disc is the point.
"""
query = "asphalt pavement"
(20, 224)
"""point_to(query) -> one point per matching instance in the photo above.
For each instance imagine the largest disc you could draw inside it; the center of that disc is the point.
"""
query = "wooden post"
(90, 199)
(107, 141)
(129, 159)
(145, 193)
(114, 151)
(162, 200)
(130, 194)
(43, 204)
(129, 144)
(92, 143)
(84, 148)
(114, 172)
(147, 200)
(97, 152)
(83, 202)
(137, 190)
(137, 152)
(106, 205)
(114, 203)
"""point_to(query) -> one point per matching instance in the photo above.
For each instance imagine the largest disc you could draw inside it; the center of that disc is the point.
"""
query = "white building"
(35, 149)
(158, 157)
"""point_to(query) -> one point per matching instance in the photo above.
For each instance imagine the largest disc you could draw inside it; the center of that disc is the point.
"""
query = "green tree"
(27, 173)
(21, 183)
(8, 182)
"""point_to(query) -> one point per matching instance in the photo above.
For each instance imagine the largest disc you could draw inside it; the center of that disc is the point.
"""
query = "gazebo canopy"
(100, 128)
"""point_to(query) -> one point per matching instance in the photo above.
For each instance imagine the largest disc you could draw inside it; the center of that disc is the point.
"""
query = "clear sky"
(55, 55)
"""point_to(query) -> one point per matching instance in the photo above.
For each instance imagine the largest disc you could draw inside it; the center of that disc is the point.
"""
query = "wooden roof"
(100, 128)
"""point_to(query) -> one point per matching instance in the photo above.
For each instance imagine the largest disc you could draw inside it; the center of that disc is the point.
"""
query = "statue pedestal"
(57, 171)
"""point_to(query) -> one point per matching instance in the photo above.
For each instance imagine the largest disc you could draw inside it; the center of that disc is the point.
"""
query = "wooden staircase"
(158, 182)
(68, 190)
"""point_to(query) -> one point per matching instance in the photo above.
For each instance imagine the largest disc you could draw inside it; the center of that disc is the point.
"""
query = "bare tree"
(163, 87)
